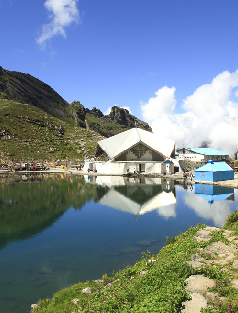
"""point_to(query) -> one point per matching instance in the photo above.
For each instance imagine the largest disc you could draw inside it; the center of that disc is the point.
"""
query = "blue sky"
(173, 62)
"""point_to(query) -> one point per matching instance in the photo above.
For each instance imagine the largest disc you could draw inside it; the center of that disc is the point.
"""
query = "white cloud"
(107, 111)
(163, 103)
(167, 211)
(62, 13)
(209, 114)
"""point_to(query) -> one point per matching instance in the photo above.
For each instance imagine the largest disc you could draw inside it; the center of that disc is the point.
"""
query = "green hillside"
(37, 123)
(27, 132)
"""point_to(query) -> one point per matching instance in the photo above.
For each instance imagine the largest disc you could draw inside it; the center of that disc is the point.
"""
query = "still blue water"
(57, 230)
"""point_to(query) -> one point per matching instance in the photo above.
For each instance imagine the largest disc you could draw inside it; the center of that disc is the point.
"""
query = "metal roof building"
(203, 154)
(214, 171)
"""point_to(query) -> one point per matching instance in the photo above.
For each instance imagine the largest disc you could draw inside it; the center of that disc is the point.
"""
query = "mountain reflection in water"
(30, 204)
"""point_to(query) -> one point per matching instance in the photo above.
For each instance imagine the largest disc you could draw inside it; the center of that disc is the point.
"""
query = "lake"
(56, 230)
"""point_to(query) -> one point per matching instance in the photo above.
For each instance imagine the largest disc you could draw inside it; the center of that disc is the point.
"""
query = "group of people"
(186, 174)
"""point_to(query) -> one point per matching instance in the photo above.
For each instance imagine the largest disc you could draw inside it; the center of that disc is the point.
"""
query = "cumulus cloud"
(210, 114)
(107, 111)
(62, 13)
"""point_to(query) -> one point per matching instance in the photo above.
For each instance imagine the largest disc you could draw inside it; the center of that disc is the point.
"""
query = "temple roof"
(116, 145)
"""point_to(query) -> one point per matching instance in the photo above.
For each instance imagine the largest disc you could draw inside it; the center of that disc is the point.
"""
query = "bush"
(231, 219)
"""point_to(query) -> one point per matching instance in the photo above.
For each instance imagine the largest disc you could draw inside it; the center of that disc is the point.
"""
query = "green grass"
(160, 289)
(33, 135)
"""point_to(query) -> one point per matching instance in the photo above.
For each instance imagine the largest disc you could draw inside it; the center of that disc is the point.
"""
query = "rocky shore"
(215, 254)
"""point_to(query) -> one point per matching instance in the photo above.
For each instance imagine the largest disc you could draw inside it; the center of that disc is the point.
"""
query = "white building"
(135, 150)
(202, 154)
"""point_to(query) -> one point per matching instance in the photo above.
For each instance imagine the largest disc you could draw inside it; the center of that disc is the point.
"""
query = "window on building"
(139, 150)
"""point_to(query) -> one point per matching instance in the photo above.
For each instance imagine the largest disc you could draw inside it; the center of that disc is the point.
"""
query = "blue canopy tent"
(214, 171)
(214, 193)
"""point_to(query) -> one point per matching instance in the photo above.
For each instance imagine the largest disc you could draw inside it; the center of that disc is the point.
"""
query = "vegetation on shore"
(154, 284)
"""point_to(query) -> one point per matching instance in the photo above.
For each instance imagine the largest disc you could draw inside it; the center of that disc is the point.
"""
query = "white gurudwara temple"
(134, 151)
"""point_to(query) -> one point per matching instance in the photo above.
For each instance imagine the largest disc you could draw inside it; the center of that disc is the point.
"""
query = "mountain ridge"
(31, 111)
(26, 89)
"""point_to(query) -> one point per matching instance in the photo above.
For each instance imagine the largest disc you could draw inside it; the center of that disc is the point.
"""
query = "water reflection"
(56, 230)
(137, 196)
(30, 204)
(214, 193)
(140, 196)
(212, 202)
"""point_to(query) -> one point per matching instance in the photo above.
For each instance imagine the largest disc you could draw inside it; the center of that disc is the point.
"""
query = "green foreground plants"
(154, 284)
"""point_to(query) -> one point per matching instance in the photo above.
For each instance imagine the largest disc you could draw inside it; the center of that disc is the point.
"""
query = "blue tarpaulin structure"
(214, 193)
(214, 171)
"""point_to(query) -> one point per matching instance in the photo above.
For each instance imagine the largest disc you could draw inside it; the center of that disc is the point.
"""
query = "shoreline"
(199, 267)
(177, 177)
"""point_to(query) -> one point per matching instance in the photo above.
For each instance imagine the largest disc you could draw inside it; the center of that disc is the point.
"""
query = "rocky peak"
(118, 115)
(123, 117)
(95, 112)
(79, 113)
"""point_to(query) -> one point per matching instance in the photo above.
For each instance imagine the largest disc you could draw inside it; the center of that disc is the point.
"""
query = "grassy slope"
(33, 135)
(160, 289)
(106, 128)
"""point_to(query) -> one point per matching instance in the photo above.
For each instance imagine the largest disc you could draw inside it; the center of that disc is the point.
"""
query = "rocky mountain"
(123, 117)
(26, 89)
(29, 133)
(116, 121)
